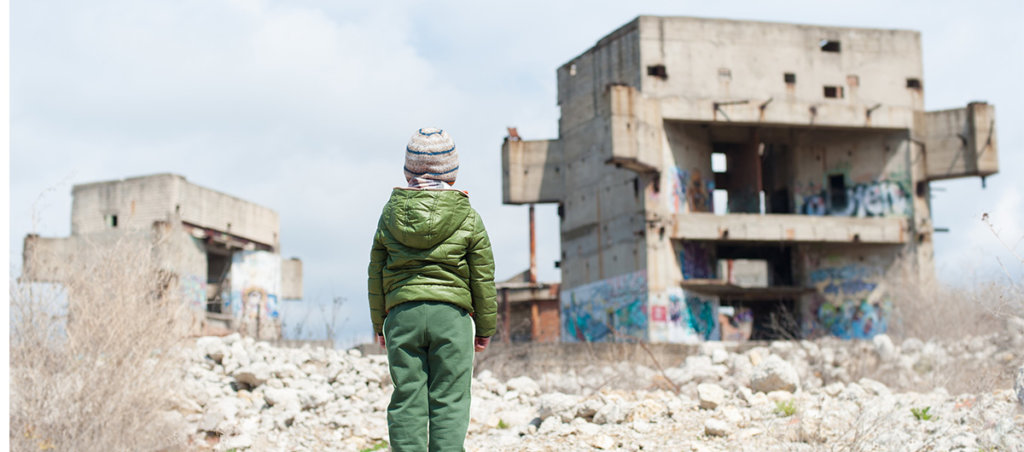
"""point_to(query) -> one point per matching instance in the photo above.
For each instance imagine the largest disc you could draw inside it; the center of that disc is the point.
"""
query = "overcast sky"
(306, 106)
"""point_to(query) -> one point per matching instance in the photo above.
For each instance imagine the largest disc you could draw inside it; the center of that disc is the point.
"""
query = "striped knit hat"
(431, 154)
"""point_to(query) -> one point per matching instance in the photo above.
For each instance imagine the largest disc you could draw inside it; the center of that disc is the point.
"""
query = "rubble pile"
(246, 395)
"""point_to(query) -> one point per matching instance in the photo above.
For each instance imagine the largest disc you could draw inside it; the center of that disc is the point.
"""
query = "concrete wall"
(602, 224)
(255, 292)
(137, 202)
(140, 201)
(850, 298)
(291, 279)
(204, 207)
(532, 171)
(875, 168)
(714, 60)
(960, 142)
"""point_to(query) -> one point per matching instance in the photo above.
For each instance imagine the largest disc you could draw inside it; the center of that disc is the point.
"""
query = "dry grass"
(94, 362)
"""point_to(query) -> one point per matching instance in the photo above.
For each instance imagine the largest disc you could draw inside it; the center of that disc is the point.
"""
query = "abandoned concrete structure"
(711, 173)
(528, 310)
(222, 252)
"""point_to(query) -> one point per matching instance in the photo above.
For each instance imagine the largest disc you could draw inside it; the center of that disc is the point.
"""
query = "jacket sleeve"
(481, 280)
(378, 256)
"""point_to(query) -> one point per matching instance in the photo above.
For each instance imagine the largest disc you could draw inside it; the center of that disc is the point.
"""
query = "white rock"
(912, 345)
(719, 356)
(524, 385)
(774, 374)
(241, 441)
(611, 413)
(550, 425)
(563, 406)
(603, 442)
(875, 387)
(589, 407)
(253, 374)
(281, 397)
(884, 348)
(710, 395)
(213, 347)
(219, 414)
(715, 427)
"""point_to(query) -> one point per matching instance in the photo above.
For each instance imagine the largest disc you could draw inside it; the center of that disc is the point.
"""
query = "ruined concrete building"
(222, 252)
(712, 175)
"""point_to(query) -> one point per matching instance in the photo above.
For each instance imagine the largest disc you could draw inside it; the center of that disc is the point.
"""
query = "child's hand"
(380, 340)
(480, 343)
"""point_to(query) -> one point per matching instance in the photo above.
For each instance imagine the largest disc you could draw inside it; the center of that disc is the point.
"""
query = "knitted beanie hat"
(431, 154)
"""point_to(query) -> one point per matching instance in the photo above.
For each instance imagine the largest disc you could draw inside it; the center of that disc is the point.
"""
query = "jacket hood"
(423, 218)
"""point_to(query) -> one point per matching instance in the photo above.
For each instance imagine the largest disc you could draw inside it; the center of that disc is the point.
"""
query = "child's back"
(431, 278)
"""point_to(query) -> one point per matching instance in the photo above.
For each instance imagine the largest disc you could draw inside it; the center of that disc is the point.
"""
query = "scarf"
(421, 183)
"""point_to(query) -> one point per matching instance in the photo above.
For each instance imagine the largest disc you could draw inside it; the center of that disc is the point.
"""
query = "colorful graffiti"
(845, 304)
(697, 260)
(255, 285)
(876, 199)
(193, 290)
(678, 316)
(611, 310)
(691, 187)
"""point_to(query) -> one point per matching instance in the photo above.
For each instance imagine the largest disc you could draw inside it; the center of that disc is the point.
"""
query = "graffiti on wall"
(697, 260)
(737, 323)
(679, 316)
(255, 288)
(193, 290)
(845, 304)
(691, 188)
(884, 198)
(610, 310)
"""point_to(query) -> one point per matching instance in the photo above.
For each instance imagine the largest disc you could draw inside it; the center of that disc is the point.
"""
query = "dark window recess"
(837, 191)
(657, 70)
(725, 73)
(914, 83)
(828, 45)
(113, 221)
(789, 77)
(834, 92)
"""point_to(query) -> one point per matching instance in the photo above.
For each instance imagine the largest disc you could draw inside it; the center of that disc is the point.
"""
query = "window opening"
(718, 162)
(828, 45)
(834, 92)
(837, 191)
(720, 201)
(789, 77)
(112, 220)
(914, 83)
(657, 70)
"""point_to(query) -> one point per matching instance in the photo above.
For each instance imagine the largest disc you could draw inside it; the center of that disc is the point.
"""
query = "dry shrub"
(932, 309)
(95, 360)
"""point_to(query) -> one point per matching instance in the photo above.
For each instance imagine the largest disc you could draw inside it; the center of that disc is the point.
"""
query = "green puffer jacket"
(431, 245)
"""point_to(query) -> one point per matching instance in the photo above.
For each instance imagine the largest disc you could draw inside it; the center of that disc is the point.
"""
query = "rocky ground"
(796, 395)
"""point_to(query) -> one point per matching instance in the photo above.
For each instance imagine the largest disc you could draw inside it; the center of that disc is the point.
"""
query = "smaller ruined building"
(222, 252)
(715, 176)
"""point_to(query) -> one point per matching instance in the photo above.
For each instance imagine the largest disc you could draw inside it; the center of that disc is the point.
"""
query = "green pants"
(430, 353)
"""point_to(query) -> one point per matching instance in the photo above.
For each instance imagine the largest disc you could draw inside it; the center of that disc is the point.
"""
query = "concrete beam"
(788, 228)
(532, 171)
(960, 142)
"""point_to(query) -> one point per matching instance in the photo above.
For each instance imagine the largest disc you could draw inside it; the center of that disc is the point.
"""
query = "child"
(431, 278)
